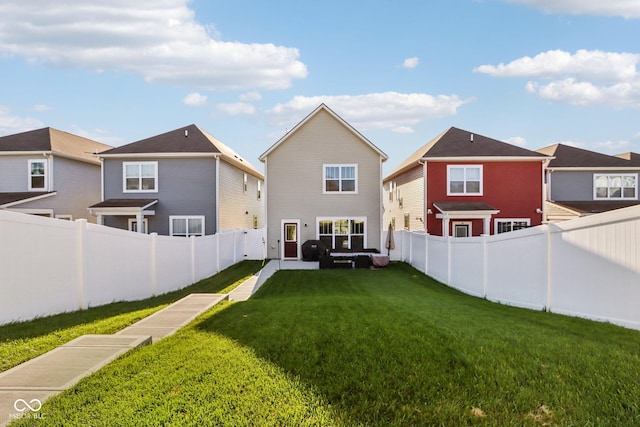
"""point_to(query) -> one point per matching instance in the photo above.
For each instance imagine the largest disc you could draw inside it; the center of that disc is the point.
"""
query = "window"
(340, 179)
(37, 175)
(255, 222)
(461, 229)
(140, 177)
(259, 190)
(464, 180)
(506, 225)
(619, 186)
(342, 233)
(391, 189)
(64, 217)
(244, 183)
(186, 226)
(407, 219)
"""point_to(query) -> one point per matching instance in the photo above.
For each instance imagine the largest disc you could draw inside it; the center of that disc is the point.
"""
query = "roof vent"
(471, 138)
(186, 133)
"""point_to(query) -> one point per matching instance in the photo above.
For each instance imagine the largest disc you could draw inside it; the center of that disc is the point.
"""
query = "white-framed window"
(615, 186)
(391, 190)
(133, 225)
(140, 177)
(464, 180)
(64, 217)
(259, 190)
(186, 226)
(407, 221)
(340, 179)
(343, 233)
(504, 225)
(462, 228)
(38, 175)
(245, 185)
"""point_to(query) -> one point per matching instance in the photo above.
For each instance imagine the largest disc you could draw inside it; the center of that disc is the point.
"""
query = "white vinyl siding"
(237, 206)
(410, 188)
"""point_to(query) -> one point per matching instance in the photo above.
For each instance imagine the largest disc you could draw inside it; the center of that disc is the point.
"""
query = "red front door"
(290, 240)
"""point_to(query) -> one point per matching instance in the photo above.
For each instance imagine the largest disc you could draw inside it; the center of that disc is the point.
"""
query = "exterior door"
(290, 240)
(461, 229)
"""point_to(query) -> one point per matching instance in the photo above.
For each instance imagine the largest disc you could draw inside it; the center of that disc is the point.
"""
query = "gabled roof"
(567, 156)
(183, 141)
(461, 144)
(52, 141)
(595, 206)
(323, 107)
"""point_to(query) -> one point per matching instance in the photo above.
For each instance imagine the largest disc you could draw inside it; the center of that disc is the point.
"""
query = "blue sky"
(530, 72)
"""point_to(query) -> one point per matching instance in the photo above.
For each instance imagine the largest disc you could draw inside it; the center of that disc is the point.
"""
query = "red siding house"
(467, 185)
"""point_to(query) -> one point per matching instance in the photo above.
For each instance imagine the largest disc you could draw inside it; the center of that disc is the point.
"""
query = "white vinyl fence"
(49, 266)
(588, 267)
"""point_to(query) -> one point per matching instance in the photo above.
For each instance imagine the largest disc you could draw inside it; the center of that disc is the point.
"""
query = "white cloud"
(250, 96)
(160, 41)
(387, 110)
(584, 64)
(97, 134)
(625, 8)
(40, 108)
(236, 109)
(517, 140)
(583, 79)
(10, 124)
(402, 129)
(411, 62)
(194, 99)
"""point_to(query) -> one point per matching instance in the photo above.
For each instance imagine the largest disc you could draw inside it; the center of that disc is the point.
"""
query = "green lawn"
(384, 347)
(23, 341)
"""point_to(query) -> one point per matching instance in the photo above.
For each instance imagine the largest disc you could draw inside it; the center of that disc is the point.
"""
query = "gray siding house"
(580, 182)
(181, 183)
(49, 172)
(323, 182)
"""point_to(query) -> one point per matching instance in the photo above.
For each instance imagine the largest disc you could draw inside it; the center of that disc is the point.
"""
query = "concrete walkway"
(25, 387)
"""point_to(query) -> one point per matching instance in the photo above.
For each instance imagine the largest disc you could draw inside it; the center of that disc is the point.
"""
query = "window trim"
(245, 183)
(609, 175)
(465, 167)
(339, 166)
(259, 193)
(333, 234)
(131, 221)
(30, 176)
(511, 220)
(187, 218)
(140, 164)
(468, 224)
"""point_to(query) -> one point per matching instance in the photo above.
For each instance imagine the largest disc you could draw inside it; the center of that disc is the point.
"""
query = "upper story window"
(245, 181)
(340, 179)
(37, 175)
(618, 186)
(259, 190)
(140, 177)
(464, 180)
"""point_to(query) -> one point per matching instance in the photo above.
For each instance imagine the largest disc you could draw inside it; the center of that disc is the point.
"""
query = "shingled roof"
(462, 144)
(185, 140)
(567, 156)
(53, 141)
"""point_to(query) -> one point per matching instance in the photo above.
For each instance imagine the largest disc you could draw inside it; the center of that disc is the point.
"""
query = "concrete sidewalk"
(25, 387)
(249, 287)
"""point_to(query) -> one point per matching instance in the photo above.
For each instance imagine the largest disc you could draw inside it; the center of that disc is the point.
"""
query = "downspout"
(425, 208)
(265, 210)
(381, 207)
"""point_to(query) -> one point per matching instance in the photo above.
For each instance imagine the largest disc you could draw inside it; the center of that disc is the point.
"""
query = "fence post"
(193, 259)
(82, 260)
(449, 260)
(426, 253)
(485, 266)
(154, 264)
(217, 252)
(549, 269)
